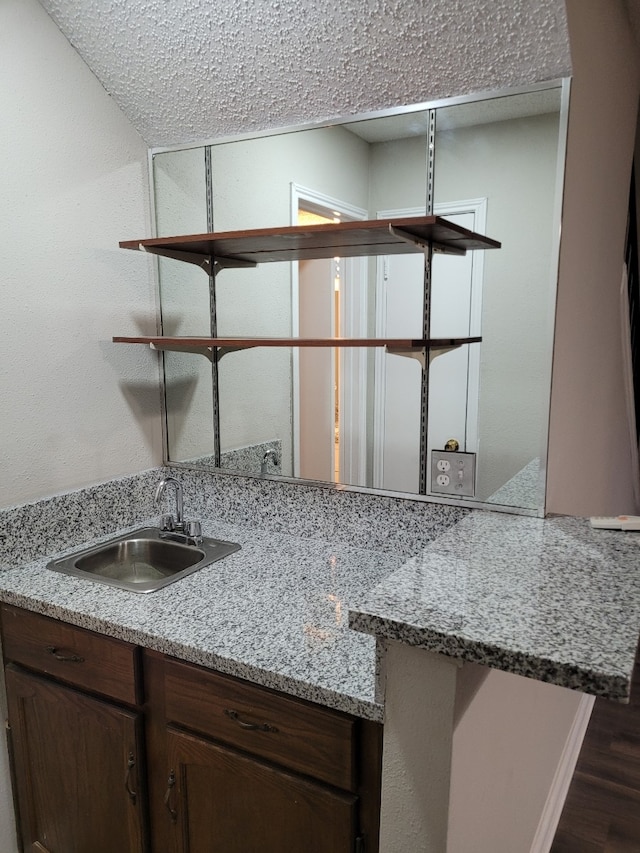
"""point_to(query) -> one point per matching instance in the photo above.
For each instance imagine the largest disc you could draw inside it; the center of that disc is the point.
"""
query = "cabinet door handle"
(254, 727)
(65, 658)
(131, 763)
(171, 781)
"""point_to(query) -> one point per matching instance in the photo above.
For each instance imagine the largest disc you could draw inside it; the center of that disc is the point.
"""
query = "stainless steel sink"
(142, 561)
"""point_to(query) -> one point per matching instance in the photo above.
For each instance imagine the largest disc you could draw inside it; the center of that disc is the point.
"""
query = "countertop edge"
(562, 674)
(562, 600)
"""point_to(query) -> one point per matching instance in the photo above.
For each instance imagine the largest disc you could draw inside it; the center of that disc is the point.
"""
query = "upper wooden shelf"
(245, 343)
(295, 243)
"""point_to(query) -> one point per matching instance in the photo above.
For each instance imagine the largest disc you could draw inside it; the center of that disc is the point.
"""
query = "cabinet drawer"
(74, 655)
(290, 732)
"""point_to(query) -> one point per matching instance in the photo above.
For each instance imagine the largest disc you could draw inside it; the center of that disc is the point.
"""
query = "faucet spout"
(269, 455)
(177, 486)
(189, 532)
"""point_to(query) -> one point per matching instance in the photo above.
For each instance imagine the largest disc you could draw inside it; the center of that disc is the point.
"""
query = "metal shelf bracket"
(420, 354)
(439, 248)
(211, 266)
(207, 352)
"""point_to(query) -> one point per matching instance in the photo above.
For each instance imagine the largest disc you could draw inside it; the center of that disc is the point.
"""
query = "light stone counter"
(274, 612)
(551, 599)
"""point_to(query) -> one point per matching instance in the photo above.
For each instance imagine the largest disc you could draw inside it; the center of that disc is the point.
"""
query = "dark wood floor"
(602, 811)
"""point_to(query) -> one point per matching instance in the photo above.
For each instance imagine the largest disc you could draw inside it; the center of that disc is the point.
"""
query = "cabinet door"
(222, 801)
(77, 769)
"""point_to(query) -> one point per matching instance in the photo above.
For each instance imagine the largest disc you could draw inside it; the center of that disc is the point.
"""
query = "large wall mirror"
(353, 416)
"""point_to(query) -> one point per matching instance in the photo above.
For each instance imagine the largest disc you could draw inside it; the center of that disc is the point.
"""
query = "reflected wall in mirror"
(354, 415)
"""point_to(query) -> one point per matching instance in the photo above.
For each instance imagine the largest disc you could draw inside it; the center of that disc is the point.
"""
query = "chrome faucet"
(270, 454)
(177, 528)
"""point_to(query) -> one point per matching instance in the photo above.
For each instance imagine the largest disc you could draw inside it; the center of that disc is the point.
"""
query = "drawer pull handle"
(64, 658)
(171, 781)
(131, 763)
(253, 727)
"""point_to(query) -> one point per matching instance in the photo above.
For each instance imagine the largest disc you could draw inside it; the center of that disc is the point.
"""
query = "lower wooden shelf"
(417, 348)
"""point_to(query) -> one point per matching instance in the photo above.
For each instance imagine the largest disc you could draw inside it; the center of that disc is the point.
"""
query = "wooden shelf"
(247, 343)
(295, 243)
(421, 349)
(213, 252)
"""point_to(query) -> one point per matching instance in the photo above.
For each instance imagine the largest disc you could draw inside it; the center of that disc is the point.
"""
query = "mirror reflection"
(355, 416)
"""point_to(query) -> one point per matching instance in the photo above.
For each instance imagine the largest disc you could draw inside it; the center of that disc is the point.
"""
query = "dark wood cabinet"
(249, 770)
(220, 800)
(73, 655)
(146, 753)
(77, 769)
(304, 738)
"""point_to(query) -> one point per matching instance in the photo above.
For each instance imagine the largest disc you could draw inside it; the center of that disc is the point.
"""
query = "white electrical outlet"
(453, 473)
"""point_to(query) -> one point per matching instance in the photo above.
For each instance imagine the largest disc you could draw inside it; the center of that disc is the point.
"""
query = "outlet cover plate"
(453, 473)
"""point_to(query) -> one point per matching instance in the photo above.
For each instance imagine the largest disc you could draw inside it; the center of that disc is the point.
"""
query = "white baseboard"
(562, 779)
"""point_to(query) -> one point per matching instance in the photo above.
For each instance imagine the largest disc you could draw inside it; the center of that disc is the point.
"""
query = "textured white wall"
(510, 733)
(76, 408)
(471, 755)
(196, 69)
(589, 447)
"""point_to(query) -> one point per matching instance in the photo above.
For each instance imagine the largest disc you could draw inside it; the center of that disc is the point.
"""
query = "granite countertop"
(550, 598)
(274, 612)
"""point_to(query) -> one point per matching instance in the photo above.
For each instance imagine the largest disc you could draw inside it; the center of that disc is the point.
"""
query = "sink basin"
(142, 561)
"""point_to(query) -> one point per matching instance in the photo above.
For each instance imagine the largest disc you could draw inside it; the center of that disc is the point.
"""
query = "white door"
(453, 381)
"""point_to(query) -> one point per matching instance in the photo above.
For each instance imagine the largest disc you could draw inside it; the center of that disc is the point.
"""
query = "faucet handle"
(193, 529)
(166, 521)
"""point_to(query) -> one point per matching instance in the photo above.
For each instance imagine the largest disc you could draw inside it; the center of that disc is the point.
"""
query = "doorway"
(329, 384)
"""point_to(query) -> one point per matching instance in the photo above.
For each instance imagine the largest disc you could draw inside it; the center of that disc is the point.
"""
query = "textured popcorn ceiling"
(185, 70)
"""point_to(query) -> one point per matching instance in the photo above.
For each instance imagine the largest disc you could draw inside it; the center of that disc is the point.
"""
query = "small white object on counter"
(617, 522)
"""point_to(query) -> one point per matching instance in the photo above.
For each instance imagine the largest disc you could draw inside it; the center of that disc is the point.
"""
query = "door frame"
(353, 364)
(478, 207)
